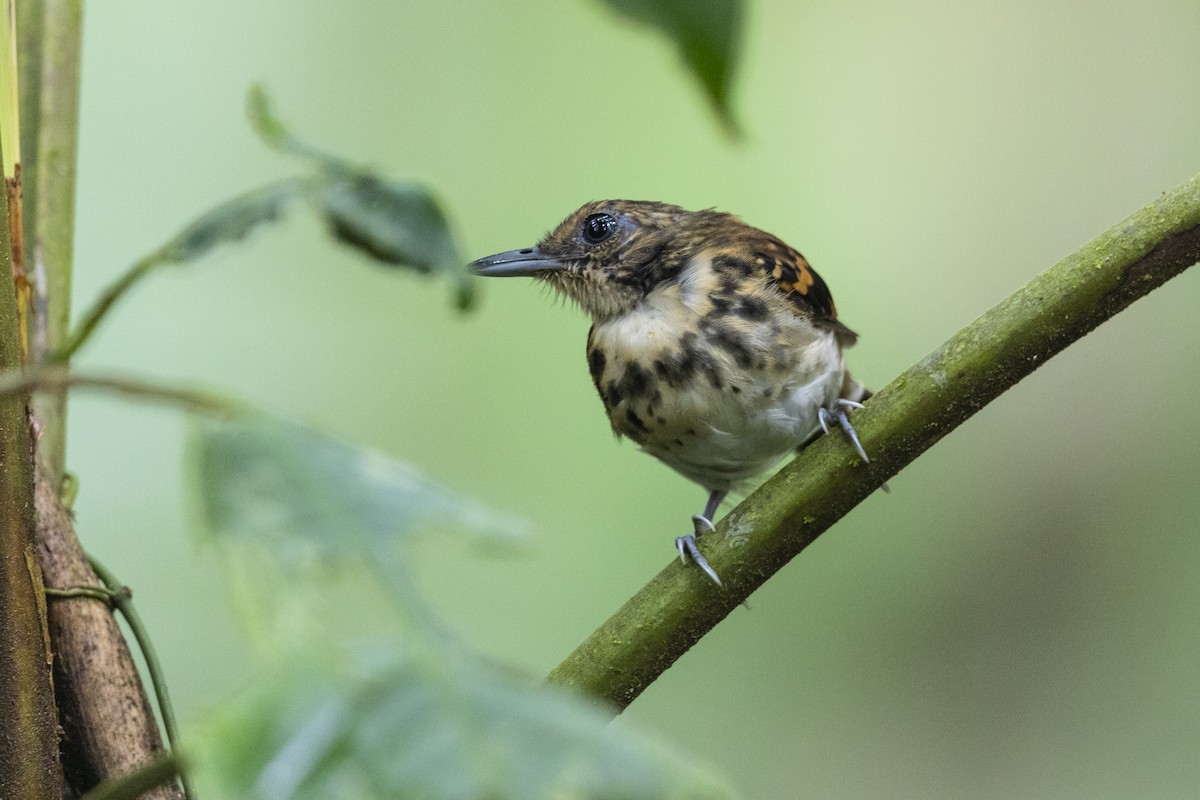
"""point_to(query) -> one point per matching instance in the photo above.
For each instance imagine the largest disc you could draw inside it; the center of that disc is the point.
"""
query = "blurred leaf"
(707, 33)
(269, 481)
(232, 220)
(418, 715)
(415, 725)
(397, 223)
(277, 135)
(262, 117)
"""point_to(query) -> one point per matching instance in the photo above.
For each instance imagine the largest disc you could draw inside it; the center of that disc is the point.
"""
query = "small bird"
(714, 345)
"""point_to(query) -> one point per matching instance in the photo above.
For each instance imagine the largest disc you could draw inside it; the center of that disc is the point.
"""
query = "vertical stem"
(29, 765)
(51, 202)
(30, 16)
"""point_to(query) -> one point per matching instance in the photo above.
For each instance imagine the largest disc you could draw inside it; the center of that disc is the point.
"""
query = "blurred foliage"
(707, 34)
(234, 219)
(393, 223)
(401, 714)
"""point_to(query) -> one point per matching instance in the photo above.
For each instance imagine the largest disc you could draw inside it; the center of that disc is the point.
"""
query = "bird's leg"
(702, 523)
(839, 416)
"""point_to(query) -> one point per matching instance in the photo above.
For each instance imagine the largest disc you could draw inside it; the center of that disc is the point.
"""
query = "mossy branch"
(775, 523)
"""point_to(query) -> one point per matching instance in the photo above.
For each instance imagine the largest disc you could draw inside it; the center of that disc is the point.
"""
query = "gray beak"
(529, 261)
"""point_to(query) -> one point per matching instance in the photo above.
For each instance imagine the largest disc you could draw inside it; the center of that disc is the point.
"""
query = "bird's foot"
(686, 545)
(839, 416)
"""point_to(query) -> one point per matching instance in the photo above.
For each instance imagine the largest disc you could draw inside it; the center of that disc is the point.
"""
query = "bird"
(714, 346)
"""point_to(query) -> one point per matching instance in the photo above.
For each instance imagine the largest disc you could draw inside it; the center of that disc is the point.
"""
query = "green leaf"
(234, 219)
(392, 222)
(404, 723)
(708, 35)
(267, 481)
(262, 118)
(418, 715)
(395, 222)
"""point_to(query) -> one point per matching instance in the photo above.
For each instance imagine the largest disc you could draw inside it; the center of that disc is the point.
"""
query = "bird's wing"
(795, 278)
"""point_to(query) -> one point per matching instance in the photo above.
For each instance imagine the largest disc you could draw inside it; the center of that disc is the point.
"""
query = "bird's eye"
(598, 228)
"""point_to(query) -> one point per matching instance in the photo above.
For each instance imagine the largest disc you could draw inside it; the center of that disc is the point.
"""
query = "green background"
(1018, 618)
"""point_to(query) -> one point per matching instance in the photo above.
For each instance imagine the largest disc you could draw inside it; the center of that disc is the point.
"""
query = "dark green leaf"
(415, 725)
(708, 35)
(295, 490)
(397, 223)
(231, 220)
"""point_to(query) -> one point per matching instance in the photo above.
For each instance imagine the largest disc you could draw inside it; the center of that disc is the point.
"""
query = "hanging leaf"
(405, 723)
(707, 34)
(393, 222)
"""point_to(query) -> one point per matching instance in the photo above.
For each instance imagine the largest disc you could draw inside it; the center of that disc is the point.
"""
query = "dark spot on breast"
(721, 303)
(635, 381)
(701, 359)
(736, 389)
(752, 308)
(679, 442)
(611, 394)
(733, 343)
(691, 431)
(635, 420)
(662, 420)
(675, 369)
(596, 362)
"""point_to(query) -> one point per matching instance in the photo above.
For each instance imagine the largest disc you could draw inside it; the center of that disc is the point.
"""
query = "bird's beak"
(530, 261)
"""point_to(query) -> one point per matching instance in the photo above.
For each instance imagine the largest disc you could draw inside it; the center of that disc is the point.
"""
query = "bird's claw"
(686, 545)
(838, 415)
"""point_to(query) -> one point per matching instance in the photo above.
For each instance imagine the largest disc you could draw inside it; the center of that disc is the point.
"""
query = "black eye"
(598, 228)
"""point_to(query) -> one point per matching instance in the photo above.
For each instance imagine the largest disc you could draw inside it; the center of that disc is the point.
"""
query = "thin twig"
(57, 377)
(231, 219)
(672, 612)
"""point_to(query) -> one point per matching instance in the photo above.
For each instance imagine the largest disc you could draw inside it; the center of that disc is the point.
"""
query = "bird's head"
(609, 254)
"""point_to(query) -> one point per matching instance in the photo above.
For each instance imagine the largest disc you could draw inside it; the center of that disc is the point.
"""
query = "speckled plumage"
(713, 345)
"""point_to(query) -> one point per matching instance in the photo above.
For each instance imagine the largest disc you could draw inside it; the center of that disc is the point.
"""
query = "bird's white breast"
(717, 397)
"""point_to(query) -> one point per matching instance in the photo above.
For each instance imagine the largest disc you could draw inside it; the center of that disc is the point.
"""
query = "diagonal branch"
(672, 612)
